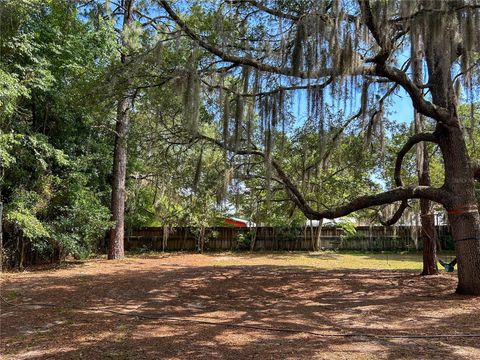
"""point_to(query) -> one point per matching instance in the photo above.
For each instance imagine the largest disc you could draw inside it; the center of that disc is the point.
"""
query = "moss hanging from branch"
(198, 171)
(298, 48)
(238, 120)
(191, 101)
(240, 106)
(251, 108)
(223, 189)
(226, 119)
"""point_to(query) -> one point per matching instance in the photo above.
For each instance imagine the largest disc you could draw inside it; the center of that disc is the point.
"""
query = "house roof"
(246, 222)
(328, 222)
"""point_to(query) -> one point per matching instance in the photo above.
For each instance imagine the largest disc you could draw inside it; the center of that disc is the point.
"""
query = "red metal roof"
(236, 223)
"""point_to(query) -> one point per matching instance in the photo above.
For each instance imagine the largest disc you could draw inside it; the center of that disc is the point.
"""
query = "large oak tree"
(316, 45)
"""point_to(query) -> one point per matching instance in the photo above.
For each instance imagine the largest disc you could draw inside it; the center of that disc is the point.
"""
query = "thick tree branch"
(247, 60)
(396, 75)
(369, 20)
(398, 214)
(415, 139)
(266, 9)
(271, 92)
(476, 170)
(398, 194)
(364, 202)
(421, 105)
(323, 16)
(380, 69)
(292, 190)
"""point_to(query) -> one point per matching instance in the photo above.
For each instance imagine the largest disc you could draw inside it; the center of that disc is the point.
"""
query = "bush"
(287, 233)
(244, 241)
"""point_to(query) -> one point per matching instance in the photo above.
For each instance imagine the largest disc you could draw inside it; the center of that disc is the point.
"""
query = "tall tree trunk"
(254, 239)
(318, 238)
(312, 236)
(427, 219)
(22, 253)
(461, 205)
(165, 237)
(428, 233)
(116, 243)
(201, 239)
(466, 234)
(462, 210)
(1, 232)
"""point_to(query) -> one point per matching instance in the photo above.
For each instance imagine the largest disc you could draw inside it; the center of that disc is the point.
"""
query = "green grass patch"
(324, 260)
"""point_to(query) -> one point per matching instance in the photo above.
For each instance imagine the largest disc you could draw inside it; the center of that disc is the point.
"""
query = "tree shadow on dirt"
(280, 297)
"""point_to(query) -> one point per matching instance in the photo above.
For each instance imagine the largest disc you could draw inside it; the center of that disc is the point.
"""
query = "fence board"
(366, 238)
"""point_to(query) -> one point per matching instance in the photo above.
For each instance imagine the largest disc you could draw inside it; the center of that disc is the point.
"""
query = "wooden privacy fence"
(366, 238)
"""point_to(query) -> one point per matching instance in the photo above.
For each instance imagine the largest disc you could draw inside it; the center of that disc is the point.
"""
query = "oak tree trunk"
(429, 239)
(459, 181)
(466, 234)
(462, 208)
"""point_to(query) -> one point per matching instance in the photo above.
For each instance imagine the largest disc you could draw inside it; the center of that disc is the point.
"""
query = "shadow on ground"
(281, 297)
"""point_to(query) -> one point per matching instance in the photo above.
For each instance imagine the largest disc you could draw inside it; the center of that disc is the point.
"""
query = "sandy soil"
(226, 306)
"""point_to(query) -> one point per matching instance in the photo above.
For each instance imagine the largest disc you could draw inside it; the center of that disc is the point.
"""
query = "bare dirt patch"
(179, 302)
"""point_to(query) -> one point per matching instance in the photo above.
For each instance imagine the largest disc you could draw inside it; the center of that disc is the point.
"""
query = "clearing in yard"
(238, 306)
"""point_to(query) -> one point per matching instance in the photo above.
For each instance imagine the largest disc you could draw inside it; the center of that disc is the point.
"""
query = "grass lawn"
(326, 260)
(238, 306)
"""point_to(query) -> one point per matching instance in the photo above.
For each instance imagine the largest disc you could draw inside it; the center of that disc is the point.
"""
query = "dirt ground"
(235, 306)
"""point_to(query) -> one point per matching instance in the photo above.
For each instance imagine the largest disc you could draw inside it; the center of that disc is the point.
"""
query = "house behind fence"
(366, 238)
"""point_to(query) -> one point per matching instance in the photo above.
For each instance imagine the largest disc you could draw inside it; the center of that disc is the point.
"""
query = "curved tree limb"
(396, 75)
(423, 106)
(247, 60)
(415, 139)
(398, 214)
(476, 170)
(292, 190)
(271, 92)
(323, 16)
(398, 194)
(381, 40)
(266, 9)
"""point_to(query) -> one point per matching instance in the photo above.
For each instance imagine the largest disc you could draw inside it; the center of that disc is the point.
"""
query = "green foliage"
(25, 220)
(53, 161)
(288, 233)
(79, 224)
(244, 241)
(60, 209)
(7, 143)
(10, 91)
(348, 225)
